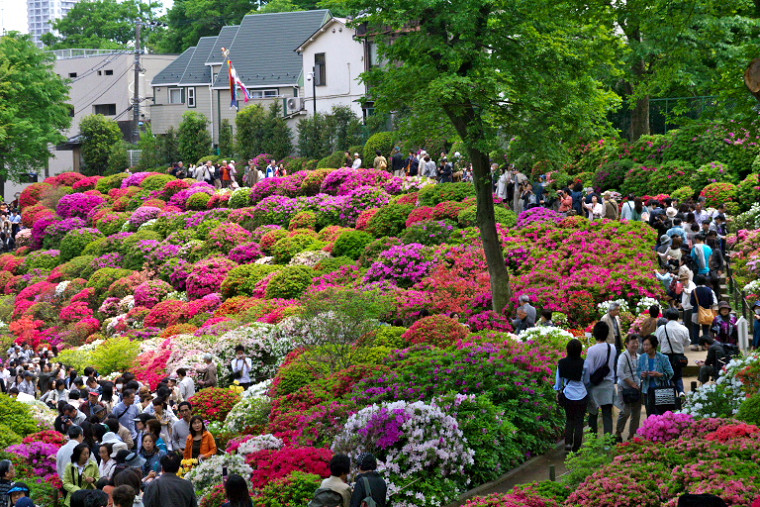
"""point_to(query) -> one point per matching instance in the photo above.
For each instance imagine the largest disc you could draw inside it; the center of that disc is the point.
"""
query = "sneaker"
(682, 394)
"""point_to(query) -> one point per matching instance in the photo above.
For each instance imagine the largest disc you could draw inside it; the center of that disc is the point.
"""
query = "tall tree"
(189, 20)
(169, 147)
(99, 137)
(519, 66)
(150, 150)
(194, 138)
(260, 131)
(33, 107)
(684, 48)
(102, 24)
(225, 139)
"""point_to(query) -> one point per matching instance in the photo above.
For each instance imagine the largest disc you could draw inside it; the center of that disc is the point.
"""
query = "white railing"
(66, 54)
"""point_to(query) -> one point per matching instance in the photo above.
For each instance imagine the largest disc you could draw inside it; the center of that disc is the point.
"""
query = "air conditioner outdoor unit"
(293, 105)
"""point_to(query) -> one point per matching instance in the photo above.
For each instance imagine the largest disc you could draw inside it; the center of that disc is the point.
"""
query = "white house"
(332, 63)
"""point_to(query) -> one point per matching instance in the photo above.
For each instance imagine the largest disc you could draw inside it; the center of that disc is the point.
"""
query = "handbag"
(680, 359)
(631, 394)
(561, 398)
(705, 316)
(664, 397)
(598, 376)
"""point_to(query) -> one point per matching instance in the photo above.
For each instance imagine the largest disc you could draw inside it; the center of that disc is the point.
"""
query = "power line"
(116, 81)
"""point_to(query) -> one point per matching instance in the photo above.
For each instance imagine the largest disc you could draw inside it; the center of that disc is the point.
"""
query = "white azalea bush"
(249, 412)
(723, 397)
(208, 472)
(420, 448)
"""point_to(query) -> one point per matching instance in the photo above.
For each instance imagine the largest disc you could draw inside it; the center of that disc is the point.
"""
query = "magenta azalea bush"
(78, 205)
(404, 265)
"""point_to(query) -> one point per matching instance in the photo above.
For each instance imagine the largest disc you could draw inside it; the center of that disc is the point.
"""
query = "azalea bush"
(214, 403)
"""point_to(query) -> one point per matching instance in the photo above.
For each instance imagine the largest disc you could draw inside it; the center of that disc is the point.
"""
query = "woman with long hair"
(237, 493)
(571, 380)
(200, 442)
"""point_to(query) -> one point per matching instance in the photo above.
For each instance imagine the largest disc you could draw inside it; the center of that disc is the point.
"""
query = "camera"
(65, 418)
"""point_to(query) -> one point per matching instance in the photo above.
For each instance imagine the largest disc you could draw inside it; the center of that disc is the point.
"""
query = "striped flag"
(235, 82)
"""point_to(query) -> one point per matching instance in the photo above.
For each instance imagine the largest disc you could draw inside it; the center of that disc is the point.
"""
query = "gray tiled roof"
(197, 72)
(173, 72)
(224, 40)
(262, 50)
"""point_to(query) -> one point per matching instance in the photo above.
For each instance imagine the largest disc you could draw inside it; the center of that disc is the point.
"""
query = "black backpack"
(326, 497)
(598, 376)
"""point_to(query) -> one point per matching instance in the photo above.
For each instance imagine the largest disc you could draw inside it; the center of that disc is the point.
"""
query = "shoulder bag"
(368, 501)
(561, 398)
(705, 316)
(598, 376)
(680, 359)
(631, 394)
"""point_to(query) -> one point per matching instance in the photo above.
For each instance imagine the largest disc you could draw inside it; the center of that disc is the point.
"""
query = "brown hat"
(723, 305)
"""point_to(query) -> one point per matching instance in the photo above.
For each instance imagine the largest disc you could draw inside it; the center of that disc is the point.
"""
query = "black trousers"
(575, 412)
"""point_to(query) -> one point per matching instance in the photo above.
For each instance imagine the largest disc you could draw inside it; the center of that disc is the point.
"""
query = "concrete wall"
(344, 62)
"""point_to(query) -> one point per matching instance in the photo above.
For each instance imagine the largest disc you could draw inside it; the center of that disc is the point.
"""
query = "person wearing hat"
(724, 326)
(89, 406)
(19, 495)
(369, 483)
(28, 385)
(671, 212)
(357, 162)
(663, 247)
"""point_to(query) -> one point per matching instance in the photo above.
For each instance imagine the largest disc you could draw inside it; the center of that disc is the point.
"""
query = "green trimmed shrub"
(41, 259)
(436, 194)
(333, 264)
(313, 182)
(8, 437)
(99, 247)
(748, 192)
(156, 181)
(391, 337)
(16, 416)
(670, 176)
(713, 172)
(115, 354)
(749, 410)
(74, 242)
(297, 488)
(382, 141)
(198, 202)
(390, 220)
(290, 283)
(335, 159)
(468, 216)
(719, 193)
(242, 280)
(78, 267)
(637, 180)
(286, 248)
(352, 244)
(682, 194)
(109, 182)
(102, 279)
(240, 198)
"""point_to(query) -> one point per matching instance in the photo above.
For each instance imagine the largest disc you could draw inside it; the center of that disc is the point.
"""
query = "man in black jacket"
(169, 490)
(378, 489)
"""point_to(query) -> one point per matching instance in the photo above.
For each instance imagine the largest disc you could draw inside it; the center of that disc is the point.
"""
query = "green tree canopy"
(194, 138)
(33, 107)
(102, 24)
(260, 131)
(189, 20)
(493, 67)
(101, 137)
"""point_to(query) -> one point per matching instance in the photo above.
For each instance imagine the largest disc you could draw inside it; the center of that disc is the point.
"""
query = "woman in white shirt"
(595, 209)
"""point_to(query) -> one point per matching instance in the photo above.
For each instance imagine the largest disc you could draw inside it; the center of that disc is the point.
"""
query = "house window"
(105, 109)
(191, 97)
(176, 95)
(263, 94)
(320, 72)
(72, 74)
(109, 72)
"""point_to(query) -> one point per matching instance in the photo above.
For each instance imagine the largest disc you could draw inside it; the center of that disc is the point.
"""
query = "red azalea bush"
(226, 236)
(364, 217)
(166, 313)
(214, 403)
(151, 292)
(733, 431)
(421, 214)
(47, 436)
(269, 465)
(438, 330)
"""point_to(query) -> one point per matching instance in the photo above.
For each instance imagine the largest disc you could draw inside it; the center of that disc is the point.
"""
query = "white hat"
(671, 212)
(118, 446)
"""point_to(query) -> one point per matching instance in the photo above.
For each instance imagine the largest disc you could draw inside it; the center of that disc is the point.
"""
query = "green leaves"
(32, 106)
(194, 138)
(99, 136)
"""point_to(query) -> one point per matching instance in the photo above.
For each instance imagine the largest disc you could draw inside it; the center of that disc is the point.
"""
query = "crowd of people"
(126, 442)
(645, 369)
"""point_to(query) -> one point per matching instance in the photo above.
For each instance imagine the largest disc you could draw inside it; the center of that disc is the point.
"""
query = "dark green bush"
(429, 232)
(290, 283)
(382, 141)
(74, 242)
(390, 220)
(334, 160)
(467, 217)
(156, 181)
(242, 280)
(113, 181)
(352, 244)
(436, 194)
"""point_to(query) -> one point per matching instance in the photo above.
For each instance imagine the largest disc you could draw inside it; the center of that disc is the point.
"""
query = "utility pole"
(314, 89)
(136, 96)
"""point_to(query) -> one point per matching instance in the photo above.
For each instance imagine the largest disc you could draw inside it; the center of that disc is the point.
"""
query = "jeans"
(632, 410)
(691, 326)
(574, 412)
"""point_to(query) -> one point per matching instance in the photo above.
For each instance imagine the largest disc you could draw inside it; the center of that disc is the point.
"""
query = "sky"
(13, 15)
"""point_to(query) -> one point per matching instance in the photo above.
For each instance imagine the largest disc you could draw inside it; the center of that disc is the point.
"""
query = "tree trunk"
(497, 269)
(640, 119)
(640, 112)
